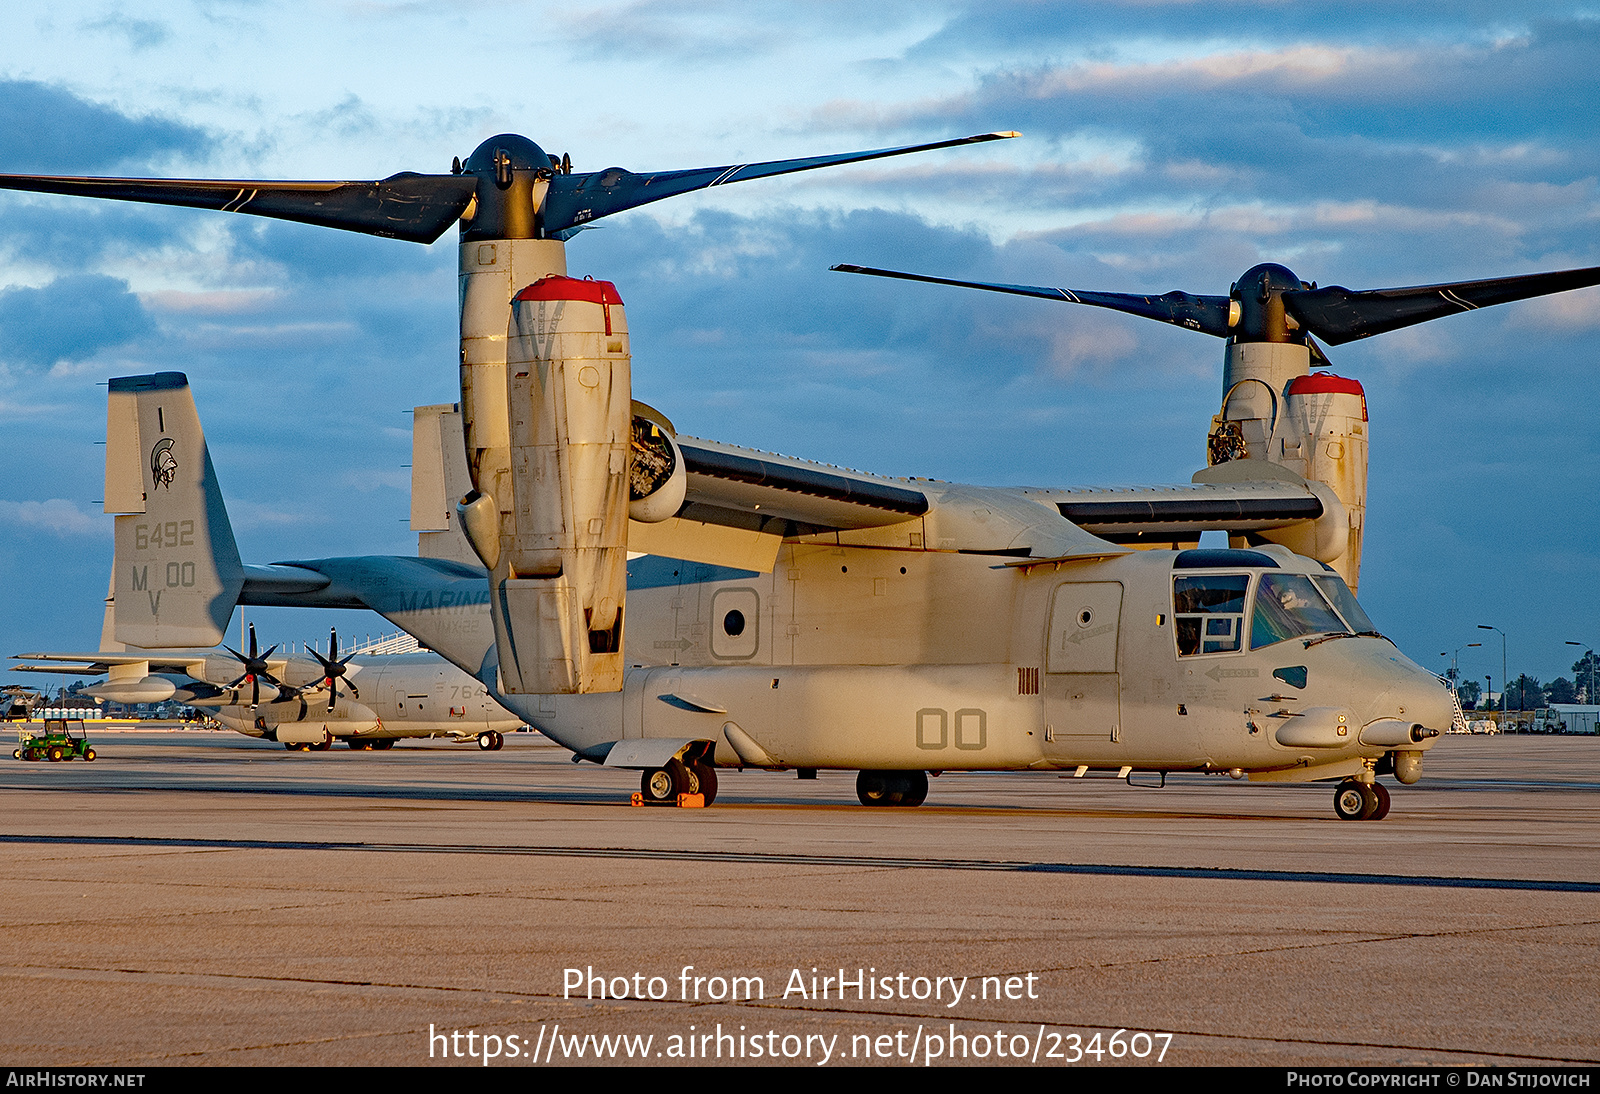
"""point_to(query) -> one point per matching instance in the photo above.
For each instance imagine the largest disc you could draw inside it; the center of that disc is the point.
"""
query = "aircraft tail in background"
(177, 573)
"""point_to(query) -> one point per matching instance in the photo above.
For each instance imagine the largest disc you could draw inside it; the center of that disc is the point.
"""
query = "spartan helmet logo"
(163, 465)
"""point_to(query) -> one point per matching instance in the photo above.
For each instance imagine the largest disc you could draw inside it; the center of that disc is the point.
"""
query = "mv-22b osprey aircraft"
(797, 615)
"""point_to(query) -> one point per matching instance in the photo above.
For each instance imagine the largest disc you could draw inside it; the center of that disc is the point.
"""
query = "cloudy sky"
(1166, 145)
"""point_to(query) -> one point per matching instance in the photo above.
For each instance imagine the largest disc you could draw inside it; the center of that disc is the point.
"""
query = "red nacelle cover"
(1326, 383)
(556, 287)
(1320, 383)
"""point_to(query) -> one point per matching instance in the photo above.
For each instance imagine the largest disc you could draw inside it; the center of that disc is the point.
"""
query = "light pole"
(1504, 679)
(1588, 652)
(1455, 668)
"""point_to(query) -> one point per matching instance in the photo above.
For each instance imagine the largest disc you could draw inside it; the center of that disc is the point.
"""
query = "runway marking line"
(1197, 873)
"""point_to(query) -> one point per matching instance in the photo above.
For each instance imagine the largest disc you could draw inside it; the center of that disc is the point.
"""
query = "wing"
(1166, 514)
(741, 504)
(741, 487)
(100, 662)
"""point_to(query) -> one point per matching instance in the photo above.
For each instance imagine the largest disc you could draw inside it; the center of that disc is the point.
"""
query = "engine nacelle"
(1275, 409)
(559, 583)
(1324, 438)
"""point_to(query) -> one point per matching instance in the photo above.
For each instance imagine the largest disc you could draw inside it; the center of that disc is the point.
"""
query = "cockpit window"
(1209, 612)
(1289, 606)
(1334, 588)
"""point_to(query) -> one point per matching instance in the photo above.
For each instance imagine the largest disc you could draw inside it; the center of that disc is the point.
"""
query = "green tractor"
(55, 743)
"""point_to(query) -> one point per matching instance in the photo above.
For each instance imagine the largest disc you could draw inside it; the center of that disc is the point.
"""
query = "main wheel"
(1349, 801)
(1382, 794)
(906, 788)
(485, 741)
(879, 788)
(664, 784)
(705, 776)
(499, 742)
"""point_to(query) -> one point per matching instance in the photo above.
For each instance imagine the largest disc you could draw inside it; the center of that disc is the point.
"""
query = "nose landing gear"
(1356, 800)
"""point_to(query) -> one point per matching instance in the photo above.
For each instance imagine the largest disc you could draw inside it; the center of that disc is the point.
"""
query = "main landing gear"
(904, 788)
(663, 784)
(1356, 800)
(490, 741)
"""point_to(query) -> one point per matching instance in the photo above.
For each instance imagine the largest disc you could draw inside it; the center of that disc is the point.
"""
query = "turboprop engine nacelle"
(559, 571)
(1324, 438)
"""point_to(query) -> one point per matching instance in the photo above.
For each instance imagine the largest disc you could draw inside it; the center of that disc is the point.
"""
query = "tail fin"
(177, 573)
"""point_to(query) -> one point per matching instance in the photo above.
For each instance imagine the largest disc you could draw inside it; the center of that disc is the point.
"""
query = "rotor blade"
(584, 196)
(1337, 314)
(409, 206)
(1207, 314)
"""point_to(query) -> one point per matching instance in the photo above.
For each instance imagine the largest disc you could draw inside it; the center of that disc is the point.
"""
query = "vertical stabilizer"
(177, 574)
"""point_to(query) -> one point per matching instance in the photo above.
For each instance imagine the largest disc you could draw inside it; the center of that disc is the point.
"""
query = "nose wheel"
(1355, 800)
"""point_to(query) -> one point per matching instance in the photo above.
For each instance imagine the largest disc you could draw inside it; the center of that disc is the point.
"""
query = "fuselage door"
(1082, 692)
(1084, 618)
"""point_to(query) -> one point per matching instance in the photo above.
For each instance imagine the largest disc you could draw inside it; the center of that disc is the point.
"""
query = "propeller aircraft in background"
(794, 615)
(280, 698)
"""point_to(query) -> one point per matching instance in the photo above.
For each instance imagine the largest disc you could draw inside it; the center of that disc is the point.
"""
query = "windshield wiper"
(1347, 634)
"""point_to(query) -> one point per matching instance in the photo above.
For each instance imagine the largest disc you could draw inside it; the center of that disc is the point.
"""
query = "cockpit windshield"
(1334, 588)
(1209, 610)
(1289, 606)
